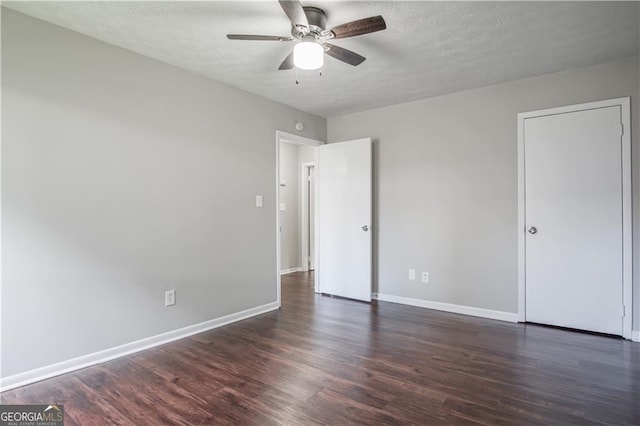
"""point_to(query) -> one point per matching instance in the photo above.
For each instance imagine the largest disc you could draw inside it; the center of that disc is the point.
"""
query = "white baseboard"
(290, 270)
(449, 307)
(635, 335)
(88, 360)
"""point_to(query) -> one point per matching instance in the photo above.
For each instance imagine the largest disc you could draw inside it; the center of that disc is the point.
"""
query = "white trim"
(105, 355)
(577, 107)
(627, 219)
(290, 270)
(278, 233)
(304, 215)
(0, 213)
(521, 222)
(635, 335)
(296, 140)
(627, 248)
(449, 307)
(317, 271)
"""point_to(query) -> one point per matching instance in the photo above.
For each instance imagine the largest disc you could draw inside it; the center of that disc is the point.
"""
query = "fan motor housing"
(317, 19)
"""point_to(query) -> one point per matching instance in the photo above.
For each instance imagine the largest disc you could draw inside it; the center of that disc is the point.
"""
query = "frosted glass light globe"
(308, 55)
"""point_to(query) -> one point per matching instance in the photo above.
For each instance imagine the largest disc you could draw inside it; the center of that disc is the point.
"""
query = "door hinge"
(621, 129)
(624, 311)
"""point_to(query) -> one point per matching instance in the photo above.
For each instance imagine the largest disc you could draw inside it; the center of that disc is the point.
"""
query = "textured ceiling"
(428, 49)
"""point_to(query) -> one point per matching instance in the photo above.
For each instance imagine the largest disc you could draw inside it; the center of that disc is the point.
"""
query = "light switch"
(283, 207)
(258, 200)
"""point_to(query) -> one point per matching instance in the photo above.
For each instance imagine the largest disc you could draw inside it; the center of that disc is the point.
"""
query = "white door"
(343, 261)
(574, 219)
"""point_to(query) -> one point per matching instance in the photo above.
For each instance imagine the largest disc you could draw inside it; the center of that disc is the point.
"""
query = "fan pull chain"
(297, 80)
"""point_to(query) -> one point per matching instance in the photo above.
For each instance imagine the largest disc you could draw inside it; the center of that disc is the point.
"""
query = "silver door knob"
(365, 228)
(532, 230)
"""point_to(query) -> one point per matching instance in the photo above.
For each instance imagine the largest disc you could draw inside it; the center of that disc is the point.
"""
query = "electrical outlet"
(412, 274)
(169, 298)
(425, 277)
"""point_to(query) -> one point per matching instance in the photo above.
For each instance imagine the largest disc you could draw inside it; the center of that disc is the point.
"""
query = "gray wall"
(446, 182)
(289, 235)
(123, 177)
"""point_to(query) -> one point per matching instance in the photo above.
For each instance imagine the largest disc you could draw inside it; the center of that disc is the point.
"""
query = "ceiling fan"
(308, 28)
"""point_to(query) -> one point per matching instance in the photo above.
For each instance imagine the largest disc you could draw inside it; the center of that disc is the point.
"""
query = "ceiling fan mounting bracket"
(317, 18)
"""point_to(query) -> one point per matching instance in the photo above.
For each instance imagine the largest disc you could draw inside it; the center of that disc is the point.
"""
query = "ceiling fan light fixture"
(308, 55)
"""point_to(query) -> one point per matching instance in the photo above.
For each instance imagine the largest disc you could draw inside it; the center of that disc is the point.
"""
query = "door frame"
(285, 137)
(304, 214)
(627, 218)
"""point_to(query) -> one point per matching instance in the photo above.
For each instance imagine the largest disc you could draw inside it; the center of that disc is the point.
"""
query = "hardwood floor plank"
(324, 360)
(348, 411)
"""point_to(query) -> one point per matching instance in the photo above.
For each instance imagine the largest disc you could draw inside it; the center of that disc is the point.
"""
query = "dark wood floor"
(323, 360)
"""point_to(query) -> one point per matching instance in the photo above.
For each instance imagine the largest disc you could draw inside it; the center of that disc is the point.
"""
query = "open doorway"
(296, 206)
(307, 216)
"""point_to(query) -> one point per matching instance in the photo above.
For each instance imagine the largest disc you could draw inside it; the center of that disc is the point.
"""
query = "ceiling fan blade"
(257, 37)
(359, 27)
(344, 55)
(287, 64)
(295, 12)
